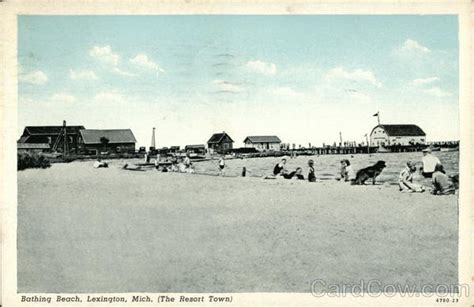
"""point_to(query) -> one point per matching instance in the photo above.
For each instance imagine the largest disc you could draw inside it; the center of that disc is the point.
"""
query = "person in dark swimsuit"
(293, 174)
(277, 170)
(311, 175)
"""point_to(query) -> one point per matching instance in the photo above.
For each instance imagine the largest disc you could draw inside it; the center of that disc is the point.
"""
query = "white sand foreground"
(82, 229)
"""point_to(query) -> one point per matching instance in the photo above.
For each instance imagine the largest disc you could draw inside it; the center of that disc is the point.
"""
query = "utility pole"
(340, 138)
(65, 145)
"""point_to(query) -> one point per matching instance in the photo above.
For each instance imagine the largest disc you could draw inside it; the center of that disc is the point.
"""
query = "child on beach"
(311, 175)
(222, 165)
(442, 184)
(405, 179)
(174, 165)
(347, 171)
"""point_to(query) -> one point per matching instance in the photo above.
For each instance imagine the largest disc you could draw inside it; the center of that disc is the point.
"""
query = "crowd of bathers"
(280, 170)
(412, 178)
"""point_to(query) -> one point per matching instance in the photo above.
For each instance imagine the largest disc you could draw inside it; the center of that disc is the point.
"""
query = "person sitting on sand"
(294, 174)
(181, 166)
(311, 175)
(429, 163)
(347, 171)
(405, 179)
(100, 164)
(174, 166)
(442, 184)
(279, 167)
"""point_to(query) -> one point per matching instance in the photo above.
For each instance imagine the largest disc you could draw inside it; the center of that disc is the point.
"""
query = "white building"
(387, 135)
(263, 142)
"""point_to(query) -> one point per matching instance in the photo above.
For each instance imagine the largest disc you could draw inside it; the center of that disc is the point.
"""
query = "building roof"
(115, 136)
(216, 138)
(33, 145)
(195, 146)
(23, 139)
(402, 130)
(47, 130)
(263, 139)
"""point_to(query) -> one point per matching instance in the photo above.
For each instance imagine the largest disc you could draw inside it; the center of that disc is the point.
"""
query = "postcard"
(236, 153)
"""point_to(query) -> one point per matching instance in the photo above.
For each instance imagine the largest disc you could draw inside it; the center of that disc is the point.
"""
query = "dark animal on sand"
(369, 172)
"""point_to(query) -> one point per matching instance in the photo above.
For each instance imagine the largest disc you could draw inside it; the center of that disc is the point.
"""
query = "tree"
(104, 141)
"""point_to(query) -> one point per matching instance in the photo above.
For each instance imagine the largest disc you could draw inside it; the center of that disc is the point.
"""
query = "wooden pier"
(340, 150)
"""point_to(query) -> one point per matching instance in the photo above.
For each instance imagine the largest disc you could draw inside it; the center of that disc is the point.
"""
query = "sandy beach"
(82, 229)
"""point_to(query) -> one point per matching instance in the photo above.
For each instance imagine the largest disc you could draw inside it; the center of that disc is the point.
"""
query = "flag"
(376, 114)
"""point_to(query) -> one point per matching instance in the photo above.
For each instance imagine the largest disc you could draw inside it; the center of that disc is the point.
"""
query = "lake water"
(328, 166)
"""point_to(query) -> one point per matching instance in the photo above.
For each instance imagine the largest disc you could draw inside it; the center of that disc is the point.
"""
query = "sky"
(304, 78)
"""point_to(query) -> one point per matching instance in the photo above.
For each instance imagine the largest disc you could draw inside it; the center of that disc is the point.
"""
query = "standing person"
(279, 167)
(311, 175)
(429, 163)
(222, 165)
(157, 161)
(187, 161)
(343, 169)
(442, 184)
(405, 179)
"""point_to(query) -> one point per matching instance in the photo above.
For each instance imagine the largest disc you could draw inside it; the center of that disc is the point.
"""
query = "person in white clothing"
(429, 163)
(347, 171)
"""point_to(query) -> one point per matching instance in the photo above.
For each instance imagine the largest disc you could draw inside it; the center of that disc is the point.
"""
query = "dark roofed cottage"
(47, 136)
(119, 140)
(220, 143)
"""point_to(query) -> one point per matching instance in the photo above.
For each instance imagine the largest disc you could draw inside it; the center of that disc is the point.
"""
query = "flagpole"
(378, 117)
